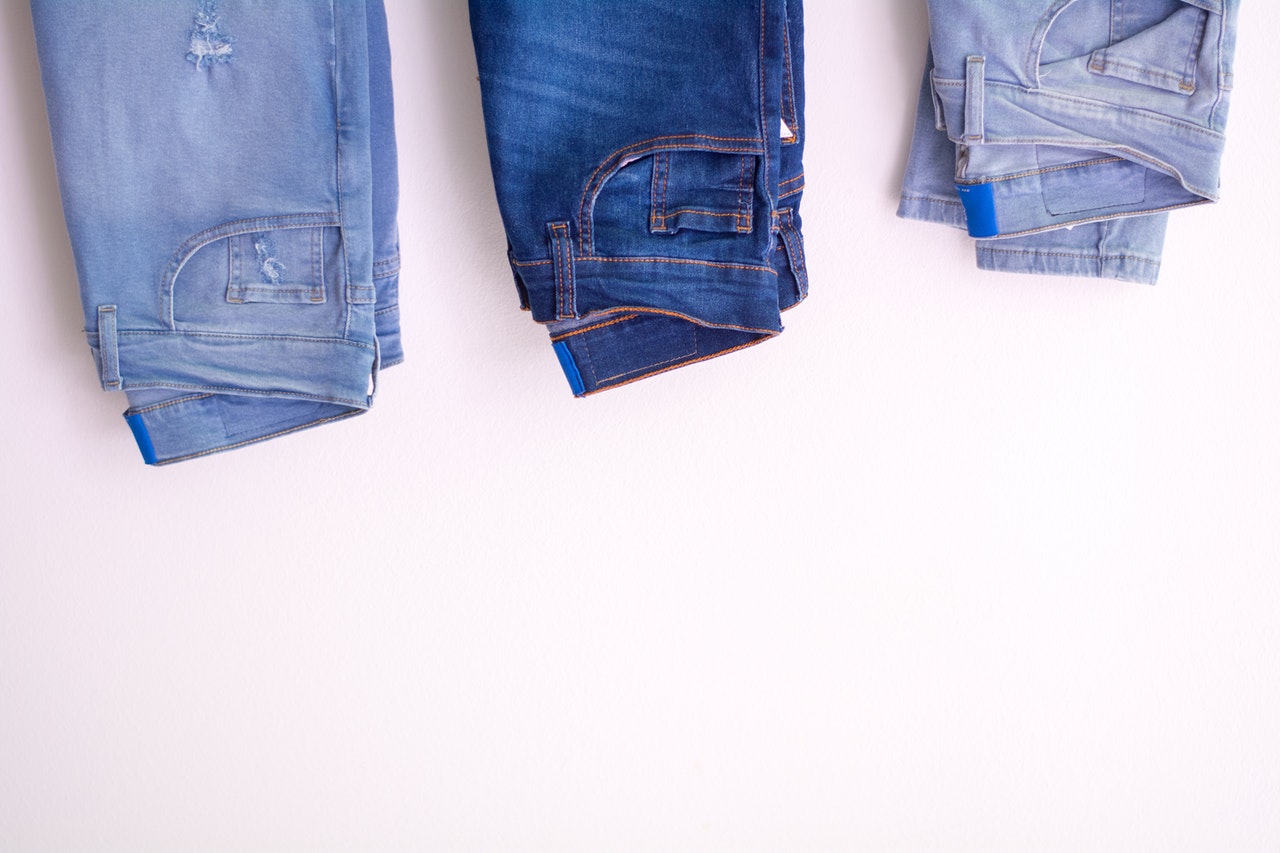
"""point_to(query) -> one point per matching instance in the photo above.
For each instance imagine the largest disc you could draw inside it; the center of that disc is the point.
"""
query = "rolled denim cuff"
(1123, 249)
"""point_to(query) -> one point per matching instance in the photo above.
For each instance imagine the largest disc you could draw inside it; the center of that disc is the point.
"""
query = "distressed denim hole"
(284, 265)
(208, 43)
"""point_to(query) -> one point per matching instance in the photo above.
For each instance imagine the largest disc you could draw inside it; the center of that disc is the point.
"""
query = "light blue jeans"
(1062, 132)
(228, 176)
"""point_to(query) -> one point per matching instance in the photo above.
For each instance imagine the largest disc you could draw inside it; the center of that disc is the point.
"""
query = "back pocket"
(280, 275)
(284, 265)
(1164, 55)
(702, 191)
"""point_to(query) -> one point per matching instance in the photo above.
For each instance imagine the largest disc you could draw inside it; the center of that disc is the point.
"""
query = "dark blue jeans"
(647, 160)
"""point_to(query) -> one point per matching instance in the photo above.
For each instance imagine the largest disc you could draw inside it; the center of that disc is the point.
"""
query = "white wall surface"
(963, 561)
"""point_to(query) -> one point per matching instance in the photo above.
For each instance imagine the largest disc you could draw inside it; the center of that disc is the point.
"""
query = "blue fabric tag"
(570, 368)
(980, 209)
(143, 438)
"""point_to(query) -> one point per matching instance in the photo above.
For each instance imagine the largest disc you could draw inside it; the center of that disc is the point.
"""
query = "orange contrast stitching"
(557, 338)
(682, 261)
(694, 211)
(764, 337)
(584, 227)
(586, 236)
(643, 309)
(655, 261)
(562, 266)
(794, 249)
(764, 122)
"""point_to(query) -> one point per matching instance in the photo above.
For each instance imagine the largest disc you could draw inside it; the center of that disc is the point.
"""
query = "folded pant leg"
(217, 171)
(1100, 116)
(647, 162)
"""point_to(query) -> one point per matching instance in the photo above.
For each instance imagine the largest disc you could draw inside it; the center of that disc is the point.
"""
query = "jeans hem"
(179, 442)
(943, 211)
(1083, 265)
(196, 393)
(615, 350)
(721, 294)
(638, 317)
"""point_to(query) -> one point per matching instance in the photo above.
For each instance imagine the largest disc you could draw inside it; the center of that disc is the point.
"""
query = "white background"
(962, 561)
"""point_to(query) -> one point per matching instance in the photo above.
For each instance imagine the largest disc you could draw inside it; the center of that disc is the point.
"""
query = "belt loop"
(521, 289)
(975, 78)
(793, 243)
(377, 365)
(939, 115)
(108, 349)
(562, 261)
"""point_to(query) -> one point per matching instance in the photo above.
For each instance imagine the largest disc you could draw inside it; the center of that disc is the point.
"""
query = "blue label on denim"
(143, 438)
(570, 368)
(979, 208)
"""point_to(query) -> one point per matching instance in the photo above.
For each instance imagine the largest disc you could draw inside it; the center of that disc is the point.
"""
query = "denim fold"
(647, 161)
(1061, 133)
(229, 183)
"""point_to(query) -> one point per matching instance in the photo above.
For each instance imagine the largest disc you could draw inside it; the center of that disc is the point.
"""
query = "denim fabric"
(647, 161)
(228, 176)
(1062, 132)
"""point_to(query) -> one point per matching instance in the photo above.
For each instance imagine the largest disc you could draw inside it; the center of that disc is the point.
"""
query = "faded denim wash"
(647, 161)
(228, 176)
(1062, 132)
